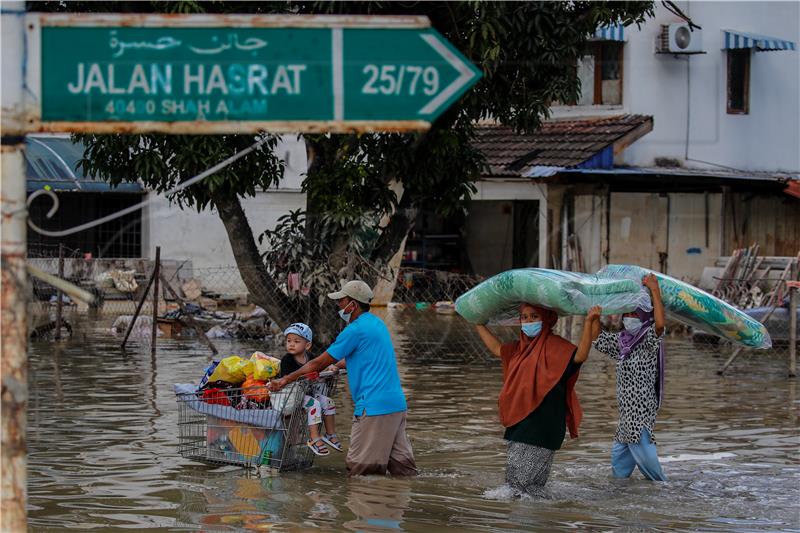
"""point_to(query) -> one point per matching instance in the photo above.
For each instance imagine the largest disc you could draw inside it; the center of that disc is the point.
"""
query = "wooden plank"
(241, 127)
(633, 136)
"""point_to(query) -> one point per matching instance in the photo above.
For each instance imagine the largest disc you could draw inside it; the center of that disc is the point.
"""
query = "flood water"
(103, 452)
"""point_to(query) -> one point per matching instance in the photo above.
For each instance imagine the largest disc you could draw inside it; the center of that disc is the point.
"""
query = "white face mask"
(345, 316)
(631, 324)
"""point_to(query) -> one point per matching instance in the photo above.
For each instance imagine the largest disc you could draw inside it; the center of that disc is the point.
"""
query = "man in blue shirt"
(378, 440)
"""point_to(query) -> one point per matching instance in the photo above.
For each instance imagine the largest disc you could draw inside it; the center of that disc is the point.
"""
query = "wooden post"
(739, 349)
(156, 273)
(793, 320)
(138, 309)
(59, 294)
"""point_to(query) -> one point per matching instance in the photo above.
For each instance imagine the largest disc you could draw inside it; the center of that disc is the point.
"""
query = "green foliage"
(527, 52)
(291, 249)
(349, 180)
(164, 161)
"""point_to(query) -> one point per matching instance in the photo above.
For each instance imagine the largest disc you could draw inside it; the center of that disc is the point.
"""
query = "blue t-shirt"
(371, 366)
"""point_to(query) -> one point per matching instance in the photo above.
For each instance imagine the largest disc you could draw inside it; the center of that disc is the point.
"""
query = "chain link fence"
(420, 312)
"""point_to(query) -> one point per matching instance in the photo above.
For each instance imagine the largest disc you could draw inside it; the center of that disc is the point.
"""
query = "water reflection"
(102, 439)
(378, 504)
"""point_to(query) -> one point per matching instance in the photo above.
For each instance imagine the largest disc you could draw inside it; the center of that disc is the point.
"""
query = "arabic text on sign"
(167, 42)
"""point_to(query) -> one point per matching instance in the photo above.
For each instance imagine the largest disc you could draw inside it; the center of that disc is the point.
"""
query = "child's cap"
(298, 328)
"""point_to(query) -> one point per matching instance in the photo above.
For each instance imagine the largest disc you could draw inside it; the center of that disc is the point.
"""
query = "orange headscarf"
(531, 368)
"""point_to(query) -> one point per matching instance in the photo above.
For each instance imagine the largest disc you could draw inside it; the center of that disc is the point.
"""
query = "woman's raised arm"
(590, 333)
(488, 338)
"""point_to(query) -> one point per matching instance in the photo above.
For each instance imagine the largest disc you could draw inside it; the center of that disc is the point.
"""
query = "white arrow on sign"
(465, 74)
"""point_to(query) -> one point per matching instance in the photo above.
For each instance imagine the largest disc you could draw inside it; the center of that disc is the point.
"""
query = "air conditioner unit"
(678, 38)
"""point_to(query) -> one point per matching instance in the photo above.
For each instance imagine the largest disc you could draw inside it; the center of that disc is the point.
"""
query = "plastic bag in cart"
(232, 369)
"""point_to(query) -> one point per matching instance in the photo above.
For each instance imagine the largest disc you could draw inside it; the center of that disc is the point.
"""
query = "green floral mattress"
(617, 289)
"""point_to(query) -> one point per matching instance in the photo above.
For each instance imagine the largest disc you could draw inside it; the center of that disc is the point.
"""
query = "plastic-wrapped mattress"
(617, 289)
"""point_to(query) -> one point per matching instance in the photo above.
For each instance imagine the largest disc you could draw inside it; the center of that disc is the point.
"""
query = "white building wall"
(693, 88)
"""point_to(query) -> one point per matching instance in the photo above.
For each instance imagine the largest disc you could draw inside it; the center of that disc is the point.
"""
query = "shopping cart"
(249, 427)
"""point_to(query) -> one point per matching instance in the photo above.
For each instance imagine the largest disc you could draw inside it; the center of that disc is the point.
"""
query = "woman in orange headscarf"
(538, 400)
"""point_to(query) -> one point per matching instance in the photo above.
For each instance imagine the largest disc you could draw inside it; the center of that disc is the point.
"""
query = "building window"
(739, 81)
(600, 72)
(117, 238)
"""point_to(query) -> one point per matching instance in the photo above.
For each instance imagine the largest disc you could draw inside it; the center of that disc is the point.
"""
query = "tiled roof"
(563, 143)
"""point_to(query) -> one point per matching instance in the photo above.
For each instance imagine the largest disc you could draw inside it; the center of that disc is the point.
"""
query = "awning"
(609, 33)
(762, 43)
(51, 162)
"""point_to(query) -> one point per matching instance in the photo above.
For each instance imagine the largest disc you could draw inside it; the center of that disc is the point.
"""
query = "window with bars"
(121, 237)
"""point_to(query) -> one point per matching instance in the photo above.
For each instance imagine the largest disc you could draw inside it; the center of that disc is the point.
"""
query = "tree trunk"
(320, 313)
(398, 228)
(264, 292)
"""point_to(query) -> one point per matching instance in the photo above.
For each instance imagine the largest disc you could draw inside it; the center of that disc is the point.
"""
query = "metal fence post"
(156, 273)
(793, 320)
(59, 294)
(14, 338)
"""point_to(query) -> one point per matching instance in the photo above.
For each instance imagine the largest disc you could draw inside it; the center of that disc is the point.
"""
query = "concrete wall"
(201, 237)
(511, 189)
(687, 95)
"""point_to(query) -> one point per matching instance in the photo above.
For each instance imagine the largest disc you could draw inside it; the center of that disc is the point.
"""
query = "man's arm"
(318, 364)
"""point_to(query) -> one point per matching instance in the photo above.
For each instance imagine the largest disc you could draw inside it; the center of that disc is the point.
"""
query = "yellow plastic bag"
(264, 367)
(232, 369)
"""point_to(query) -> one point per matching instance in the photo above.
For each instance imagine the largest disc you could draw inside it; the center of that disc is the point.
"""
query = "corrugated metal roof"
(690, 172)
(51, 161)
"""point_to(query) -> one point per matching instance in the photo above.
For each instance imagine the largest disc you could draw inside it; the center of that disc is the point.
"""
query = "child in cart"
(319, 407)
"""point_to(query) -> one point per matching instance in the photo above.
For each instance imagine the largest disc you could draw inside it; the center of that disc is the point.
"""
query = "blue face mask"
(532, 329)
(345, 316)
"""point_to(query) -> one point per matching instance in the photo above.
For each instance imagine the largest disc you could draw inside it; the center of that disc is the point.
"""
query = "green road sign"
(235, 74)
